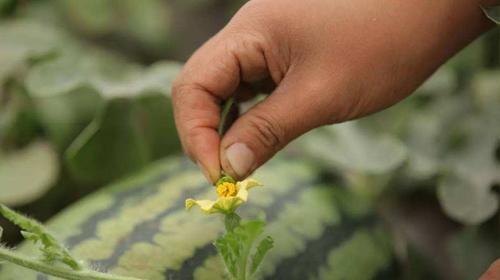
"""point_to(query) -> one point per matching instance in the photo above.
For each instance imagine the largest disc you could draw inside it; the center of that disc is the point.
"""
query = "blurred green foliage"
(104, 115)
(85, 100)
(446, 133)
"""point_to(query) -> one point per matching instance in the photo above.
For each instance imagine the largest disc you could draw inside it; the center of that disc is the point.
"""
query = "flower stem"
(242, 270)
(19, 259)
(225, 112)
(231, 221)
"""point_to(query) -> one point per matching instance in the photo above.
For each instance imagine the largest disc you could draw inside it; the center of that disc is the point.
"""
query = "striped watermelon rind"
(139, 227)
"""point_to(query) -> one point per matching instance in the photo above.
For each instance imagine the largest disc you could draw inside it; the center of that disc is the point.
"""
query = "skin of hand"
(493, 272)
(331, 61)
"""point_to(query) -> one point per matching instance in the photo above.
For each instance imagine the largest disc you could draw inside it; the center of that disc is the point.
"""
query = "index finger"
(211, 76)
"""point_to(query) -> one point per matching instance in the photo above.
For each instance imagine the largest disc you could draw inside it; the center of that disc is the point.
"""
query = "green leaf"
(95, 17)
(158, 125)
(443, 82)
(101, 106)
(264, 246)
(235, 247)
(229, 250)
(21, 40)
(18, 120)
(149, 21)
(65, 116)
(231, 221)
(38, 160)
(427, 143)
(472, 250)
(143, 24)
(350, 147)
(493, 13)
(51, 248)
(112, 146)
(69, 90)
(465, 191)
(485, 88)
(6, 7)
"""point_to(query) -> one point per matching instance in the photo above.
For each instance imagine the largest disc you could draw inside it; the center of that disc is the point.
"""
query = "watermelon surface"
(139, 227)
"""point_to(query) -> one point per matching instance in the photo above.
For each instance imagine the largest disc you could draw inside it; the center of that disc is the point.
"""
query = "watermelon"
(139, 227)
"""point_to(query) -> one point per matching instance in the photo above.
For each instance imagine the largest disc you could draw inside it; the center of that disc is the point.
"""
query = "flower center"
(227, 189)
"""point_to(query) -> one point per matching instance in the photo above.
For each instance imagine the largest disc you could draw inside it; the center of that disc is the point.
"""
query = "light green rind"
(360, 257)
(303, 214)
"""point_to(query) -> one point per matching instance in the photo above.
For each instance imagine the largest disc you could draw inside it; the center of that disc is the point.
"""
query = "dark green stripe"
(139, 234)
(201, 254)
(149, 186)
(306, 264)
(189, 265)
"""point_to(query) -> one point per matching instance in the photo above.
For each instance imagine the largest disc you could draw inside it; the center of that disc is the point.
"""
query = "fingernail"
(241, 158)
(204, 171)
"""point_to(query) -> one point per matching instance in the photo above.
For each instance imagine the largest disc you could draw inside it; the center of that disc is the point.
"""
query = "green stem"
(242, 270)
(225, 112)
(19, 259)
(231, 221)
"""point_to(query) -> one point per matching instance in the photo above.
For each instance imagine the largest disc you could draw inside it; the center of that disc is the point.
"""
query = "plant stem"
(19, 259)
(243, 263)
(223, 117)
(231, 221)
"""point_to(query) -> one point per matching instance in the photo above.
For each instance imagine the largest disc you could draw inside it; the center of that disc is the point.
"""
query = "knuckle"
(180, 93)
(268, 131)
(177, 88)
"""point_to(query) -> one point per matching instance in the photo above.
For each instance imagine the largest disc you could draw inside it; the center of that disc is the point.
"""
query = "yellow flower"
(227, 189)
(230, 196)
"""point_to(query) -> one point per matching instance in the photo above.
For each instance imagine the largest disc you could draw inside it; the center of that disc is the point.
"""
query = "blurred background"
(84, 101)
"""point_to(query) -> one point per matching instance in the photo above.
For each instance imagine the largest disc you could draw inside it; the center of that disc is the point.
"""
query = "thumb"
(266, 128)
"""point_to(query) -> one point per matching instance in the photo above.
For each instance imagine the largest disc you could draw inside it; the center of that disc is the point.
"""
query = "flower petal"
(228, 204)
(248, 184)
(205, 205)
(242, 194)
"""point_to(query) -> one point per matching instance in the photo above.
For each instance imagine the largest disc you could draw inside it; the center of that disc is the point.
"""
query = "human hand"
(331, 61)
(493, 272)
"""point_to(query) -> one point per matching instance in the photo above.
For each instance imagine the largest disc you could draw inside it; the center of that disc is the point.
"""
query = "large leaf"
(473, 250)
(349, 147)
(444, 81)
(486, 89)
(124, 108)
(429, 135)
(157, 78)
(27, 174)
(66, 115)
(109, 76)
(96, 17)
(148, 20)
(126, 135)
(21, 40)
(156, 115)
(18, 121)
(75, 69)
(465, 191)
(69, 90)
(140, 24)
(111, 146)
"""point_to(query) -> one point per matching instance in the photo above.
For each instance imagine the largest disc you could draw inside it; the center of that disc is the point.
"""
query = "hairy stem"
(19, 259)
(242, 270)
